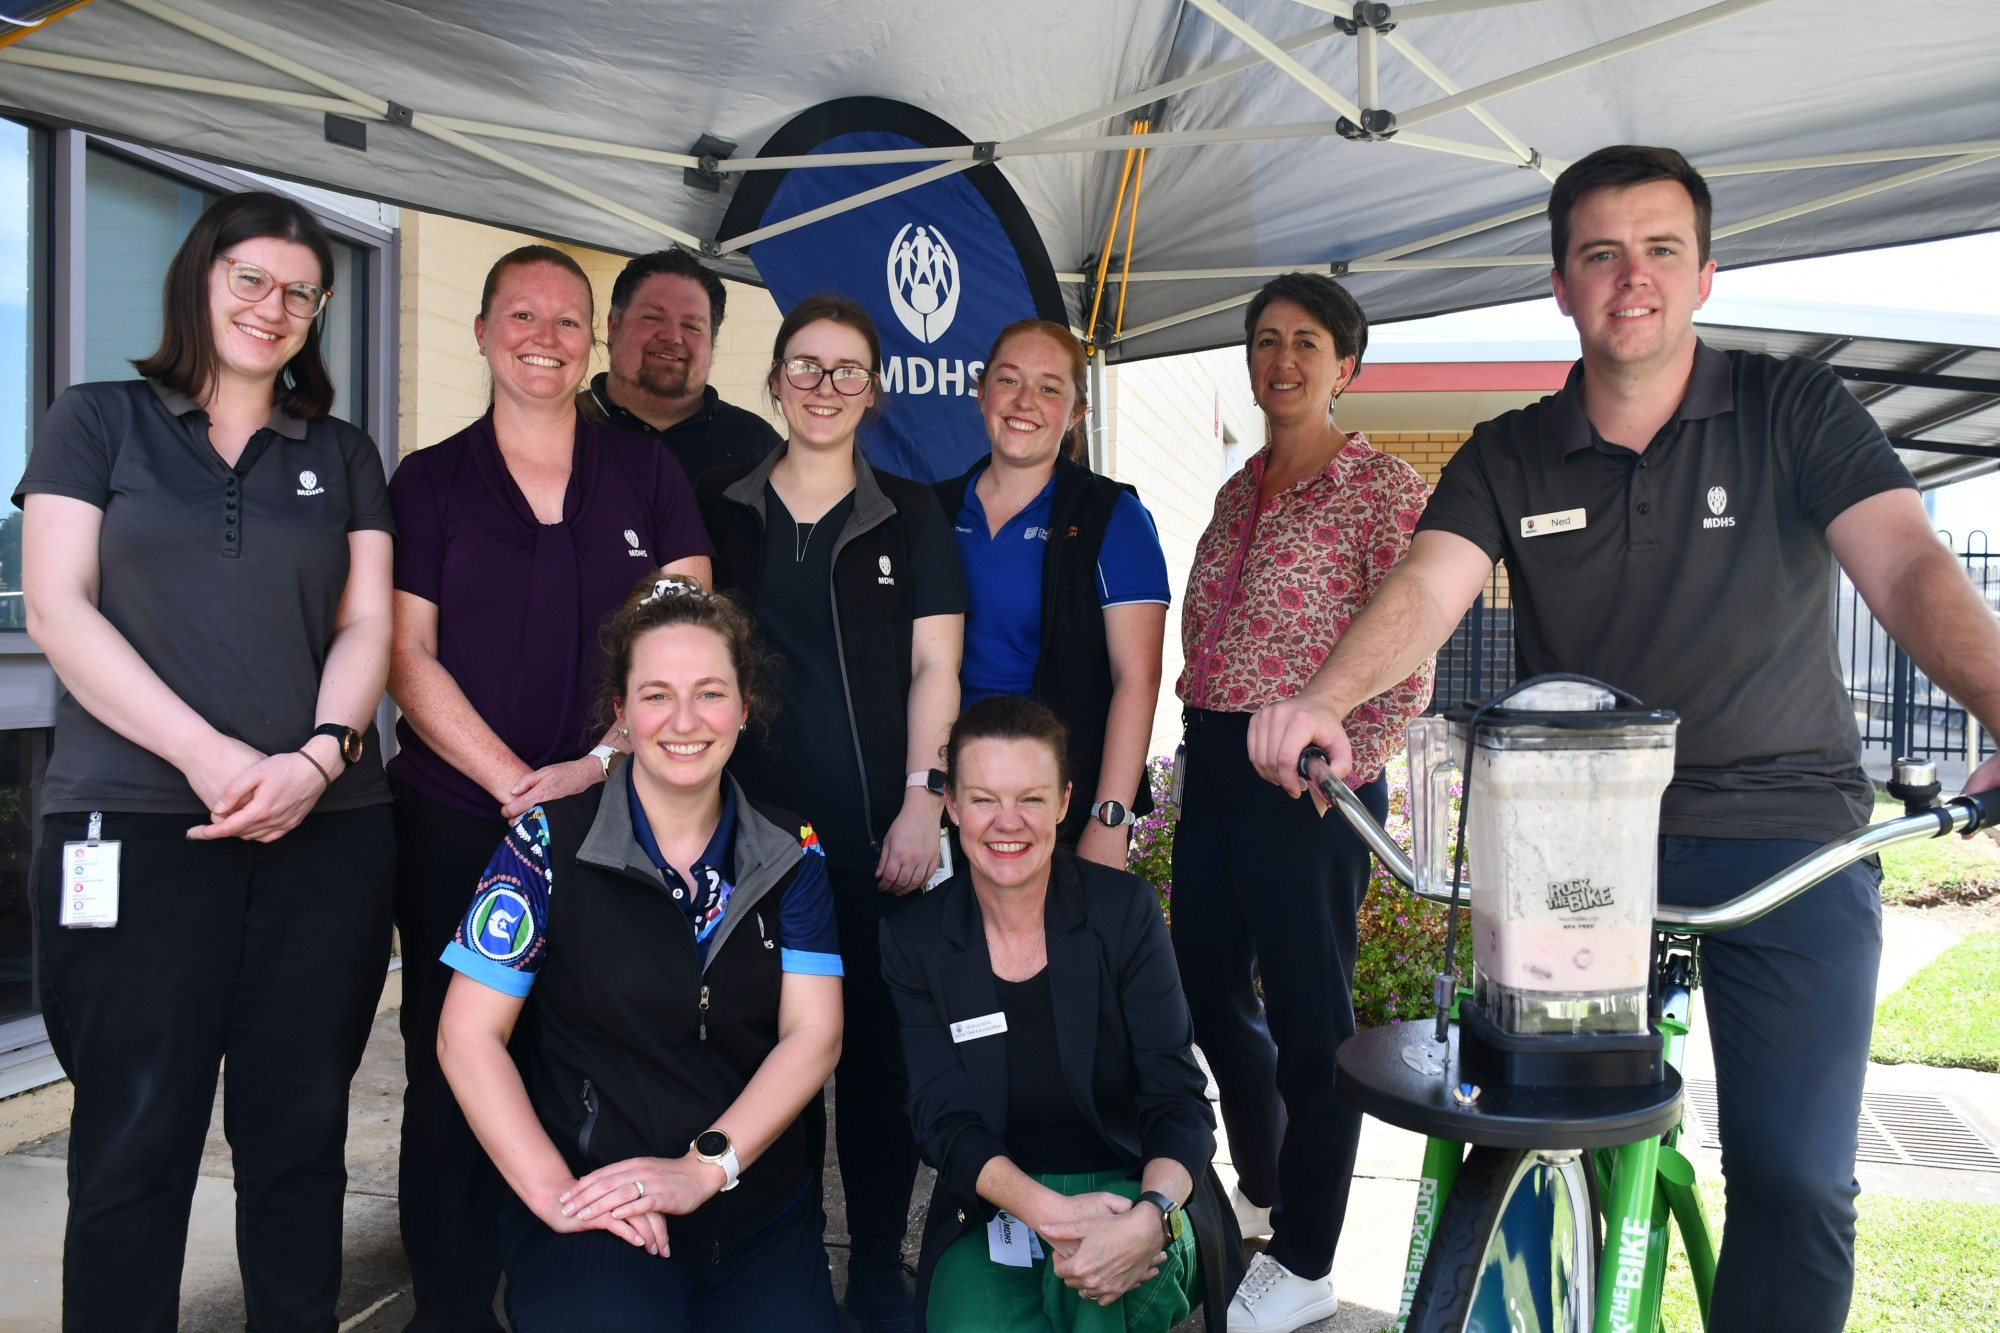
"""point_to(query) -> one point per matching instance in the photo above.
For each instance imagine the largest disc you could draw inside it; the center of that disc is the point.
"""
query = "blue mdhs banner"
(941, 268)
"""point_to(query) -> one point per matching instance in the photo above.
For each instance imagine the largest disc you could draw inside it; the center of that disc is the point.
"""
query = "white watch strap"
(731, 1168)
(604, 754)
(917, 780)
(1130, 816)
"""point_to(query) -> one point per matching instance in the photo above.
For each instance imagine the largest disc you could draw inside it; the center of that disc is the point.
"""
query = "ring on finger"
(640, 1186)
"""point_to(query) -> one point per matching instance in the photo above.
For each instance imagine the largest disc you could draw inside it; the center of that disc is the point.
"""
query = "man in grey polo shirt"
(666, 310)
(1670, 522)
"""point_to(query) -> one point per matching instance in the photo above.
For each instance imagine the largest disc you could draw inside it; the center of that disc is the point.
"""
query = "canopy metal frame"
(1373, 27)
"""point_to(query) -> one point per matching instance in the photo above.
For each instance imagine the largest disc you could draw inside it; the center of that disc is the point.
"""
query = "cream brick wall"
(442, 380)
(1168, 420)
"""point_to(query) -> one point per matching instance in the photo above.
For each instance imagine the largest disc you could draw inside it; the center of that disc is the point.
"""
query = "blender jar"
(1562, 841)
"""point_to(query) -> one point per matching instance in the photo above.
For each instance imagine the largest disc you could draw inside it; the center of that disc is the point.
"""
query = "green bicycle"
(1557, 1217)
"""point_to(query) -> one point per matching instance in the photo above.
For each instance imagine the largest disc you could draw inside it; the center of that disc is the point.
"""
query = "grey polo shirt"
(225, 580)
(1697, 575)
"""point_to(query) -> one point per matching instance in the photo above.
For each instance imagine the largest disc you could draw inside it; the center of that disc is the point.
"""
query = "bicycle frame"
(1645, 1185)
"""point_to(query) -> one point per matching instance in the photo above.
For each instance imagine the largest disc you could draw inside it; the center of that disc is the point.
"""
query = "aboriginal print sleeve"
(503, 937)
(807, 940)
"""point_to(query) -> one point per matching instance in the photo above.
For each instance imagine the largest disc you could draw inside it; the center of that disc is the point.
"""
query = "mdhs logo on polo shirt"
(1718, 500)
(309, 483)
(632, 540)
(883, 564)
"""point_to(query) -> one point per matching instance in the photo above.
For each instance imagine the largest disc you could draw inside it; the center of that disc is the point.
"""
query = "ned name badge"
(1562, 520)
(90, 880)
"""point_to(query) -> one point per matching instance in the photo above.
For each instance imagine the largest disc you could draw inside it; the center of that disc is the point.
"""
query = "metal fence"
(1896, 706)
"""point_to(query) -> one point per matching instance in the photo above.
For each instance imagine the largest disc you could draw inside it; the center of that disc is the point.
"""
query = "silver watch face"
(1111, 814)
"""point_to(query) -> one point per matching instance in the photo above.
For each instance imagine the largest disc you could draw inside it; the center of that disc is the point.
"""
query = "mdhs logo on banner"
(922, 277)
(923, 281)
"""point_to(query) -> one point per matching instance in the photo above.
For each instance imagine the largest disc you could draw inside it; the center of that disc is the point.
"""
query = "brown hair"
(675, 263)
(1077, 442)
(534, 254)
(835, 309)
(1616, 168)
(673, 599)
(1330, 304)
(185, 359)
(1007, 717)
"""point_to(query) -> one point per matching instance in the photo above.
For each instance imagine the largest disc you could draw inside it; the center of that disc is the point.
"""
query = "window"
(20, 301)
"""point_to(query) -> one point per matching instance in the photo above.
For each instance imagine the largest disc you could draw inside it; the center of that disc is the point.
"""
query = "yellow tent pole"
(1131, 226)
(14, 35)
(1104, 255)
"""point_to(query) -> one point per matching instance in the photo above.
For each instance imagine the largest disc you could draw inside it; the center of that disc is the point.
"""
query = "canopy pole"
(1858, 192)
(1277, 56)
(467, 144)
(185, 83)
(839, 206)
(1529, 157)
(1855, 159)
(1432, 9)
(1131, 229)
(1592, 55)
(1367, 86)
(1104, 253)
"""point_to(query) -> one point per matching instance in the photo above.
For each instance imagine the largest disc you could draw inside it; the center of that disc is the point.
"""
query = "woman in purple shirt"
(519, 536)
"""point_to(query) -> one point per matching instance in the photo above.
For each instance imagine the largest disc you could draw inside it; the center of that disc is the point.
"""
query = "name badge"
(943, 872)
(972, 1029)
(1011, 1241)
(90, 880)
(1541, 525)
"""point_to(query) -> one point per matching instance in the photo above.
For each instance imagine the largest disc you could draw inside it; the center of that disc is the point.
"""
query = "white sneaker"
(1273, 1299)
(1251, 1220)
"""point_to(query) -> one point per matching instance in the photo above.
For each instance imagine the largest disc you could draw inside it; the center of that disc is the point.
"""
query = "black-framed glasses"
(253, 284)
(805, 375)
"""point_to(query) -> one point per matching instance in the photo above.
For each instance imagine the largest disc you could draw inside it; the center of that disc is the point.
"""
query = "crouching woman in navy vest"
(648, 995)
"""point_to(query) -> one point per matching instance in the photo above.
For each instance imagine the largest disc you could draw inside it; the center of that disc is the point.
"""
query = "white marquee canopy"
(1406, 146)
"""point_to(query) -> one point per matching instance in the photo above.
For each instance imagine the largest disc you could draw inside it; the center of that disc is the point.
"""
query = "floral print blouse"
(1270, 591)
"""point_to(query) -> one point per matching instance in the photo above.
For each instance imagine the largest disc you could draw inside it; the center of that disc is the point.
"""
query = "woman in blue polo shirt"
(1066, 581)
(648, 994)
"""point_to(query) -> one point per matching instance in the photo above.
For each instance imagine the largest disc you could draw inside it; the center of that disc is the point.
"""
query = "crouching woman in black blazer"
(1051, 1081)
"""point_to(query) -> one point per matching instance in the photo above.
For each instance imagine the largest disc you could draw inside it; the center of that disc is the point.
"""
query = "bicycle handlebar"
(1966, 813)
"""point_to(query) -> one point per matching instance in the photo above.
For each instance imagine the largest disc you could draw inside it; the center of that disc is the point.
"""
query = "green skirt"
(972, 1294)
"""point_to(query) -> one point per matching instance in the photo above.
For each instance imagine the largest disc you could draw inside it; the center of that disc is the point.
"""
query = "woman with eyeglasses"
(855, 580)
(520, 536)
(207, 558)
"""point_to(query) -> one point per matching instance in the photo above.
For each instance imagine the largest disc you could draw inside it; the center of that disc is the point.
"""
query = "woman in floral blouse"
(1263, 888)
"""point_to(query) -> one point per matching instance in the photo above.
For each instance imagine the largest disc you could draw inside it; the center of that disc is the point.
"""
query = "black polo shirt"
(1697, 575)
(717, 434)
(226, 581)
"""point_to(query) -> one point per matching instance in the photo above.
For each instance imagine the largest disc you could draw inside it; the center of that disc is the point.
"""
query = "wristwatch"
(1172, 1219)
(349, 738)
(1112, 814)
(931, 780)
(713, 1146)
(607, 755)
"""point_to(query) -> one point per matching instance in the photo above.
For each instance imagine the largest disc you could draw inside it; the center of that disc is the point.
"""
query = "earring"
(622, 731)
(743, 726)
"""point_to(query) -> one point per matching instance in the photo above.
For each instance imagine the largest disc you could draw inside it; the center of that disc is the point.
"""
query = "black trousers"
(449, 1193)
(772, 1281)
(269, 954)
(1265, 888)
(1790, 1004)
(871, 1130)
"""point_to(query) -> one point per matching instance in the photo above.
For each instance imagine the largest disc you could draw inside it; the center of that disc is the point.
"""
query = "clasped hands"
(1102, 1245)
(632, 1199)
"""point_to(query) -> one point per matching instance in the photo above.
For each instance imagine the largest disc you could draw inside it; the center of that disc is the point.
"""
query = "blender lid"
(1564, 705)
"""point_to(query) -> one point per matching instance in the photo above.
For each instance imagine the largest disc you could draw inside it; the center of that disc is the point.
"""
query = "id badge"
(1011, 1241)
(1178, 787)
(943, 872)
(90, 880)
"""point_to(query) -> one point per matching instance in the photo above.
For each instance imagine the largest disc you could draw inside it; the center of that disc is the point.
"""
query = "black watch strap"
(348, 738)
(1170, 1212)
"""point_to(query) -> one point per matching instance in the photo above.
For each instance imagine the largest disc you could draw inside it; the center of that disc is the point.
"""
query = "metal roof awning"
(1939, 403)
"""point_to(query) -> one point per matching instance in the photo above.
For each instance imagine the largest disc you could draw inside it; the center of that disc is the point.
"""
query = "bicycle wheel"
(1515, 1249)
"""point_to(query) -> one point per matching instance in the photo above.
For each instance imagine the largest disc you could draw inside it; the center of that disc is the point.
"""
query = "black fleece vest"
(1073, 669)
(629, 1047)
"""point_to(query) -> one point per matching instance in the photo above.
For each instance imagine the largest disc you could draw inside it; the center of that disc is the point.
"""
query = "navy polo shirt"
(225, 580)
(715, 434)
(521, 603)
(1696, 574)
(1003, 576)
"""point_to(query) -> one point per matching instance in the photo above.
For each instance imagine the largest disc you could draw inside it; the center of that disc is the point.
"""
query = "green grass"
(1938, 870)
(1949, 1013)
(1926, 1264)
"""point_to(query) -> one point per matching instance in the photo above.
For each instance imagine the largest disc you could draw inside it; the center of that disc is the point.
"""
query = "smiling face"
(682, 708)
(255, 339)
(1028, 397)
(1007, 800)
(822, 417)
(1634, 277)
(535, 334)
(1295, 370)
(663, 342)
